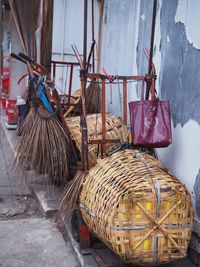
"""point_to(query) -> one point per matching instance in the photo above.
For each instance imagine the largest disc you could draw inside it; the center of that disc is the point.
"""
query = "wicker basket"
(140, 210)
(114, 130)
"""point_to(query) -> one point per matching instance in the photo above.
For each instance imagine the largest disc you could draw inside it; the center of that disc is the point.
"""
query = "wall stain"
(180, 62)
(180, 68)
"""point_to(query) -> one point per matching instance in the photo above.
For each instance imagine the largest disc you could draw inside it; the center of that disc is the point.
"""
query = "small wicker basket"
(140, 210)
(114, 130)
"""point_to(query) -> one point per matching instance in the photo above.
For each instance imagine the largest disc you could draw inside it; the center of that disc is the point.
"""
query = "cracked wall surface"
(180, 67)
(177, 59)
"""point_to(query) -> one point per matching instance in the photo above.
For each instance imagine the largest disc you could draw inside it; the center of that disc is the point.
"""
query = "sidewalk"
(26, 237)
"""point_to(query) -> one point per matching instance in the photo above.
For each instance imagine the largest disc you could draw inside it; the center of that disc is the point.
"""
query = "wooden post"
(46, 34)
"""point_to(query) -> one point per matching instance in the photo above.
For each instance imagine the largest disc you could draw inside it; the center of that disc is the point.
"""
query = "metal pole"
(151, 43)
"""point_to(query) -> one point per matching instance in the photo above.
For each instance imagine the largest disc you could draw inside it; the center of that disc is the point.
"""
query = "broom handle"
(18, 58)
(31, 61)
(90, 55)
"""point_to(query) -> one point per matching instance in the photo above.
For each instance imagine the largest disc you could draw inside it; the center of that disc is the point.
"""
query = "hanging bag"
(150, 121)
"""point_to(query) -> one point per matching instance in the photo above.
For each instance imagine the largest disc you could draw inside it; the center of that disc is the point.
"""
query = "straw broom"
(93, 97)
(70, 196)
(44, 146)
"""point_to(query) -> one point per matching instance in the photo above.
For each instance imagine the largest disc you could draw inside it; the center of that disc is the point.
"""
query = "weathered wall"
(176, 55)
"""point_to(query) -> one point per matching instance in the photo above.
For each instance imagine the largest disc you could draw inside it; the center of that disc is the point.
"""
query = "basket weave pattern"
(140, 210)
(114, 130)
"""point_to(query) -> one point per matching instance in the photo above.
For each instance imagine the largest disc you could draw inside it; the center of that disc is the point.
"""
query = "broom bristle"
(93, 98)
(70, 196)
(43, 145)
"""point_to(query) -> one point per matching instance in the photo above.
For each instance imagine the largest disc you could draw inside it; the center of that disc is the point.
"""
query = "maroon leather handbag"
(150, 121)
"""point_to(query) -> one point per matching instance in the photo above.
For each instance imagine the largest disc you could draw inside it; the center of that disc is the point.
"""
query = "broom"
(43, 146)
(93, 98)
(68, 200)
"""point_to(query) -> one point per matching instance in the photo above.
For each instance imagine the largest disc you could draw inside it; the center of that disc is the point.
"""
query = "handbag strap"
(153, 91)
(142, 93)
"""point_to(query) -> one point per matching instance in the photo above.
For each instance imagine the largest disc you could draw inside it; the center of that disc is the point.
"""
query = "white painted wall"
(17, 69)
(68, 30)
(119, 41)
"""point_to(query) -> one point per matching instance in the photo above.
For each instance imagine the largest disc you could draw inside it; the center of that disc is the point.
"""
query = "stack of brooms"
(43, 143)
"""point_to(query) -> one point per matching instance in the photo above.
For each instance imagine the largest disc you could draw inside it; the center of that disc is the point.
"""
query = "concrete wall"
(68, 30)
(119, 47)
(17, 69)
(179, 69)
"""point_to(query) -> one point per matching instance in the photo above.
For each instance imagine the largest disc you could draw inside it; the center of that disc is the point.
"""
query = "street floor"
(27, 238)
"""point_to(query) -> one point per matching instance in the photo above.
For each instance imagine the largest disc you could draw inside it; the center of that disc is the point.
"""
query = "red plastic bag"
(150, 122)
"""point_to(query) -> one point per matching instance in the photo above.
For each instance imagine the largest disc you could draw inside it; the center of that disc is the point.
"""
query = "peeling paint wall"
(180, 68)
(177, 59)
(180, 74)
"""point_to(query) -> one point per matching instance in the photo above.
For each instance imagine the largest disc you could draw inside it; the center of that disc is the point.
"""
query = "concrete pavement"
(33, 243)
(27, 239)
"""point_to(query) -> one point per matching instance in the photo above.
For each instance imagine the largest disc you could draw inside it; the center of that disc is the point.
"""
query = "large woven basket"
(114, 130)
(140, 210)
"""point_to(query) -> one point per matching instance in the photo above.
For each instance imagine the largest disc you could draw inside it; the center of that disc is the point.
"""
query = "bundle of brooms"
(43, 145)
